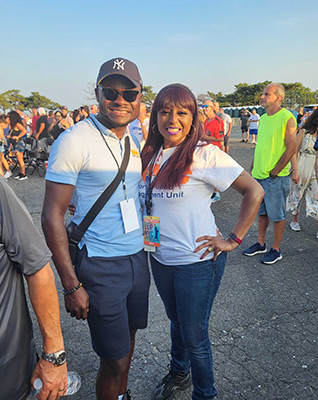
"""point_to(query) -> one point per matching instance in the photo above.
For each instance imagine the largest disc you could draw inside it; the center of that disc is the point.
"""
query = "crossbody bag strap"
(103, 198)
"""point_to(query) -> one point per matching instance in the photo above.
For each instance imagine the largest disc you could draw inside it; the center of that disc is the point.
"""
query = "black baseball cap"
(120, 66)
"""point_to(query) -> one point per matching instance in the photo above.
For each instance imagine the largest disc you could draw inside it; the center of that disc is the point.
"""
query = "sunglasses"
(112, 94)
(205, 106)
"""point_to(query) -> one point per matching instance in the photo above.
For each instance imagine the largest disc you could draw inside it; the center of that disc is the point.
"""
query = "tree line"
(14, 100)
(244, 94)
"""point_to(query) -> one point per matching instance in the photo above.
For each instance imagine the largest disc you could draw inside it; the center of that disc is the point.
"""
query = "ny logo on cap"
(119, 64)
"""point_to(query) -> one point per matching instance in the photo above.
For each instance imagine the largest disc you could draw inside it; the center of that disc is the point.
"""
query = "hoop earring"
(193, 130)
(153, 130)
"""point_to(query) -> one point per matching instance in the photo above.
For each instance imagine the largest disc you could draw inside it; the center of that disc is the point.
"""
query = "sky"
(56, 47)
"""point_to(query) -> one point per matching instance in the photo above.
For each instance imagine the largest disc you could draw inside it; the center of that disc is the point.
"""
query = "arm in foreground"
(45, 303)
(253, 194)
(56, 201)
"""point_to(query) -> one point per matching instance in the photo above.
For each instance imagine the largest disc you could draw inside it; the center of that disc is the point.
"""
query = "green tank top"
(271, 144)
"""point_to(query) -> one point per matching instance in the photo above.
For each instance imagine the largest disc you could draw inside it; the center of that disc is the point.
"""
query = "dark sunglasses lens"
(130, 95)
(110, 94)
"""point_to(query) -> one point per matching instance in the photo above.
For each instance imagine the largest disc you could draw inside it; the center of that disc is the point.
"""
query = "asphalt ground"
(263, 326)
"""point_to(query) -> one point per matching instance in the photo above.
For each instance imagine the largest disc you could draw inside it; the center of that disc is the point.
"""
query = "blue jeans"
(187, 292)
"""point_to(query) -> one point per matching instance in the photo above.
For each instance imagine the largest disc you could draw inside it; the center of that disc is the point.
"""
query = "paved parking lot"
(264, 321)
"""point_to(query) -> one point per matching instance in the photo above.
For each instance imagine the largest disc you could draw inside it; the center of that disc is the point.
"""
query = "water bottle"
(73, 384)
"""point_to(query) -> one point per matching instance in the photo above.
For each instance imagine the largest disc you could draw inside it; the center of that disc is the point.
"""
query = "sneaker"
(170, 384)
(242, 141)
(7, 174)
(253, 142)
(255, 249)
(272, 256)
(127, 395)
(215, 197)
(21, 177)
(295, 226)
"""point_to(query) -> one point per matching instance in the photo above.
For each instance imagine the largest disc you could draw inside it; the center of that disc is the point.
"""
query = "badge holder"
(151, 233)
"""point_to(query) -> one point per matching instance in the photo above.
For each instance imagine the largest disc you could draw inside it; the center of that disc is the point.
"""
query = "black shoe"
(170, 384)
(127, 395)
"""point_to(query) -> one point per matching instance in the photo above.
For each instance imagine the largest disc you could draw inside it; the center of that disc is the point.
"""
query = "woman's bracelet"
(67, 292)
(235, 238)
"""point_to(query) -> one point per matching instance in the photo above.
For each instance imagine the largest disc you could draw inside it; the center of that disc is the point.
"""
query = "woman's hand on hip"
(214, 243)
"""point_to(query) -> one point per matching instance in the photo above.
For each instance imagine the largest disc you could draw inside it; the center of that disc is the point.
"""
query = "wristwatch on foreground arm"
(235, 238)
(56, 359)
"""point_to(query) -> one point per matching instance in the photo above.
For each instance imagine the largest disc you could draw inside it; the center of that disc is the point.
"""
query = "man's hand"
(295, 176)
(77, 303)
(53, 378)
(71, 208)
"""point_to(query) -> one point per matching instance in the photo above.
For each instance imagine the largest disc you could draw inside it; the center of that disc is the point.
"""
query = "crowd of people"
(16, 127)
(172, 165)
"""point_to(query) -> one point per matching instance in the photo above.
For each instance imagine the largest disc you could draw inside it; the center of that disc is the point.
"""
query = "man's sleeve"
(23, 243)
(65, 160)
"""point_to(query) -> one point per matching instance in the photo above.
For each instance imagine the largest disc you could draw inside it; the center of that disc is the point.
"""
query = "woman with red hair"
(180, 171)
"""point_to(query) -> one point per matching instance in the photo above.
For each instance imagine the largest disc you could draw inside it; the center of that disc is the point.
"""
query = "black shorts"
(244, 128)
(118, 289)
(226, 140)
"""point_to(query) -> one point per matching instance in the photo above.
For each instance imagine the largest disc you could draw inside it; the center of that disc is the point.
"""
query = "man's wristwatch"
(56, 359)
(273, 176)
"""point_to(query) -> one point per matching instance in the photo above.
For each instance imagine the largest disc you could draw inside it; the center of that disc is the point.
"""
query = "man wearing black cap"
(110, 283)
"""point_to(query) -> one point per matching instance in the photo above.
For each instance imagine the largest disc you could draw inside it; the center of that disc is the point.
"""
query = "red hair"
(181, 160)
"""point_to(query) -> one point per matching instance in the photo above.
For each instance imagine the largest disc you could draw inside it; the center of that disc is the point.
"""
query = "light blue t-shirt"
(81, 158)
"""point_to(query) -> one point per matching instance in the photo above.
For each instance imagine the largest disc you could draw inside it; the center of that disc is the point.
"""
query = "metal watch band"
(56, 359)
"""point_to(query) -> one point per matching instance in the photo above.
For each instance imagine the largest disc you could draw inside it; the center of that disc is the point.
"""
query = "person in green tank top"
(276, 145)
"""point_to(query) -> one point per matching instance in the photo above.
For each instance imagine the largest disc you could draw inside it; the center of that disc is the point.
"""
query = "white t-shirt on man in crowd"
(254, 120)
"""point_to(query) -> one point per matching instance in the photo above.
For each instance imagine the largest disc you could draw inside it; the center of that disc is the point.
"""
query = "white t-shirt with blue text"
(185, 213)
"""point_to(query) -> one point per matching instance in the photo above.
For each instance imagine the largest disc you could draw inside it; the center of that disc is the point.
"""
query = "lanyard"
(110, 150)
(150, 185)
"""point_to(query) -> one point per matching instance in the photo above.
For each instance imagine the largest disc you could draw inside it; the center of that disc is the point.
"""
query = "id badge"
(129, 215)
(151, 233)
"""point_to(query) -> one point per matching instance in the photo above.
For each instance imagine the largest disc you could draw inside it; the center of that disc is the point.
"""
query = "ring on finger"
(210, 248)
(61, 390)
